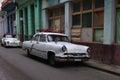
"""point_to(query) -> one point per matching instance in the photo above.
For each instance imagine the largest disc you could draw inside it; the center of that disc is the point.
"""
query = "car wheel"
(1, 44)
(28, 53)
(4, 45)
(51, 60)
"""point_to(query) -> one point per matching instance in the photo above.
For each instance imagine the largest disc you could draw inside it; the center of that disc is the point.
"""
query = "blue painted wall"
(10, 9)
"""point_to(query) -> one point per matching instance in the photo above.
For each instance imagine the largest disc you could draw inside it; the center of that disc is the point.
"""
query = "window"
(62, 23)
(42, 38)
(118, 1)
(76, 6)
(86, 35)
(57, 18)
(98, 19)
(35, 38)
(57, 12)
(118, 25)
(87, 20)
(89, 15)
(8, 36)
(52, 38)
(87, 4)
(76, 20)
(62, 11)
(50, 23)
(50, 13)
(99, 3)
(98, 35)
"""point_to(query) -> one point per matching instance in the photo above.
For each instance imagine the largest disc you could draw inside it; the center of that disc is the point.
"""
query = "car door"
(40, 46)
(33, 43)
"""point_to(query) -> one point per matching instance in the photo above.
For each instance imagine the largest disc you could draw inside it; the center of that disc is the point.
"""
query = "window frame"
(42, 36)
(61, 8)
(35, 38)
(82, 12)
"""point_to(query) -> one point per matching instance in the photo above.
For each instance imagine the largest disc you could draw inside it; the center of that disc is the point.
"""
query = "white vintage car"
(55, 47)
(8, 40)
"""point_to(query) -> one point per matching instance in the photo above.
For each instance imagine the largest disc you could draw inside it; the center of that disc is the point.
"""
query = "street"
(15, 65)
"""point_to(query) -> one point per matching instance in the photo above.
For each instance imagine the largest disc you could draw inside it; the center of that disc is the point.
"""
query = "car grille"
(75, 54)
(13, 43)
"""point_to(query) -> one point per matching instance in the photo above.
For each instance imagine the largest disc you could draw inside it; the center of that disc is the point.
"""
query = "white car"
(55, 47)
(9, 41)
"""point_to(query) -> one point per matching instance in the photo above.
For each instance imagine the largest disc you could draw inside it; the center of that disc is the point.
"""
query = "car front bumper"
(72, 59)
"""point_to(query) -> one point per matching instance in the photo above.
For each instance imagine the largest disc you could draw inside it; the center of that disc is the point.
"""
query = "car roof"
(51, 33)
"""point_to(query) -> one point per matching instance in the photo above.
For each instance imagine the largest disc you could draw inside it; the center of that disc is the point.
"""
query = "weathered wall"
(104, 53)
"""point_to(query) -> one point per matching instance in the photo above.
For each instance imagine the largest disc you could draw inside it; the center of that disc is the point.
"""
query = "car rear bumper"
(13, 45)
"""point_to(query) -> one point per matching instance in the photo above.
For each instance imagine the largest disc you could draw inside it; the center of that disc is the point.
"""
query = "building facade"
(9, 7)
(28, 17)
(56, 15)
(3, 19)
(90, 22)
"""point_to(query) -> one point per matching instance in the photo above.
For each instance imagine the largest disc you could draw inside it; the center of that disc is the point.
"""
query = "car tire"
(1, 44)
(51, 60)
(28, 53)
(4, 45)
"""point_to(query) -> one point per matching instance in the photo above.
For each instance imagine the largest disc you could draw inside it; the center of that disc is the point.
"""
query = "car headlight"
(88, 50)
(64, 49)
(8, 42)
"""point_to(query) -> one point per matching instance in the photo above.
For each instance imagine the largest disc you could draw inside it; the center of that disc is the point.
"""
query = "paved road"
(9, 72)
(14, 65)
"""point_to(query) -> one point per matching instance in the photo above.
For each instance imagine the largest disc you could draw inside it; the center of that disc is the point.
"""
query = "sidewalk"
(114, 69)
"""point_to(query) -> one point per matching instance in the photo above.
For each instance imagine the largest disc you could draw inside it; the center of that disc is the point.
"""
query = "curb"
(102, 68)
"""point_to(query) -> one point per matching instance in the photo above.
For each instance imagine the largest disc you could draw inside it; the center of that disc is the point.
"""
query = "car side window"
(42, 38)
(35, 38)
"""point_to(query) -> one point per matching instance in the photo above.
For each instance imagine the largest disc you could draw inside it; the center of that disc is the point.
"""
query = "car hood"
(72, 47)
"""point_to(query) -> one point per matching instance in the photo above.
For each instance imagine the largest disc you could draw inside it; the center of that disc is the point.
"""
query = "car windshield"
(52, 38)
(8, 36)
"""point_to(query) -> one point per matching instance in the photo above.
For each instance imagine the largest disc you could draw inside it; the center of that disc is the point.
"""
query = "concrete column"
(109, 22)
(29, 21)
(44, 19)
(18, 23)
(13, 23)
(10, 23)
(24, 22)
(68, 19)
(38, 14)
(7, 22)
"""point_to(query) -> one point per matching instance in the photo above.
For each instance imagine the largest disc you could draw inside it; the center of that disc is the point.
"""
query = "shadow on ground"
(59, 64)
